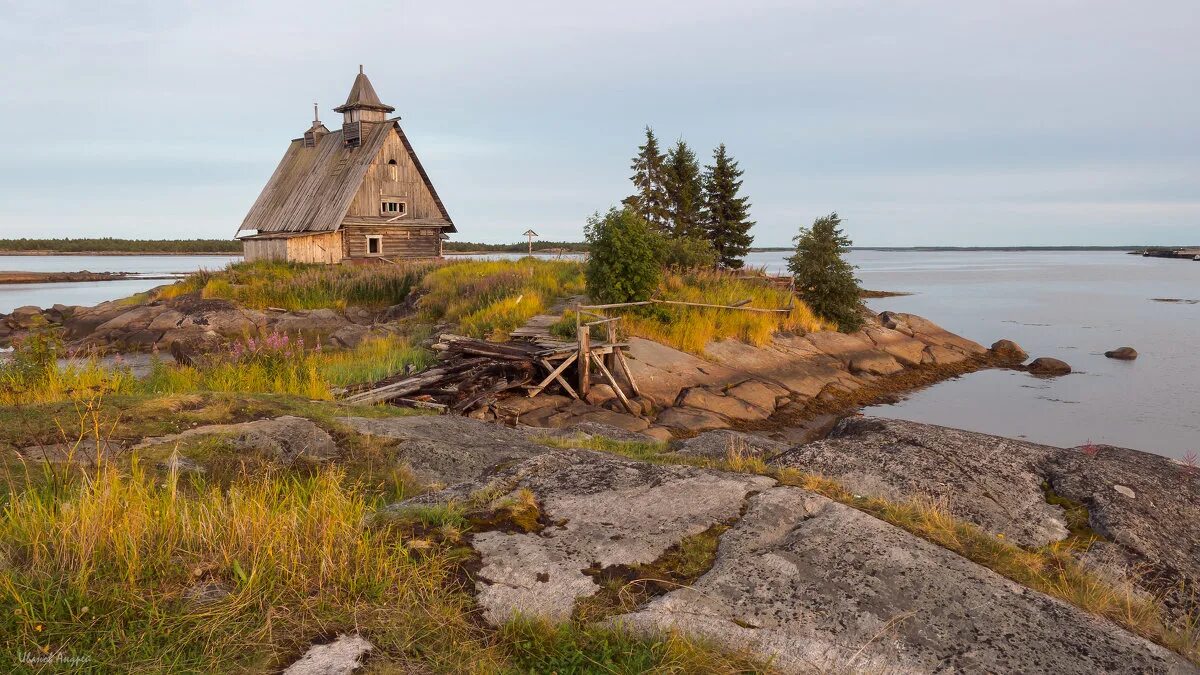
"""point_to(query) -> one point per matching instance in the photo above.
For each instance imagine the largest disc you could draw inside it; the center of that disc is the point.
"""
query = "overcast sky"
(921, 123)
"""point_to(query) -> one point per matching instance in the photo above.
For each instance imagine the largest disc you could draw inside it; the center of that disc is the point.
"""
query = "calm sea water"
(94, 292)
(1069, 305)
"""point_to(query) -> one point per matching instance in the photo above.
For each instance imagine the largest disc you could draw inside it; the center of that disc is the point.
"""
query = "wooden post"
(611, 333)
(583, 364)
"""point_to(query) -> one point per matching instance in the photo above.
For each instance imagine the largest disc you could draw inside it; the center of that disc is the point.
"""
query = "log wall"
(398, 242)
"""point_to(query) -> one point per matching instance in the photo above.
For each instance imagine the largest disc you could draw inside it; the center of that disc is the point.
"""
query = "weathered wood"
(428, 405)
(585, 349)
(703, 304)
(612, 381)
(633, 386)
(616, 305)
(329, 180)
(555, 374)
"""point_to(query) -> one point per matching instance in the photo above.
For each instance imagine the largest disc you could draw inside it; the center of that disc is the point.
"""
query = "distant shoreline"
(118, 253)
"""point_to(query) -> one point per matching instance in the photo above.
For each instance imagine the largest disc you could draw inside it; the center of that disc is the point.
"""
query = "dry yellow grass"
(691, 328)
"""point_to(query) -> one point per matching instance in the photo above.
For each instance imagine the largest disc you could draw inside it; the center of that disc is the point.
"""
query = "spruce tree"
(726, 215)
(824, 280)
(684, 191)
(649, 199)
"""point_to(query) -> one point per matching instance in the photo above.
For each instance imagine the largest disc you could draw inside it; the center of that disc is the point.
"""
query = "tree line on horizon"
(689, 207)
(112, 244)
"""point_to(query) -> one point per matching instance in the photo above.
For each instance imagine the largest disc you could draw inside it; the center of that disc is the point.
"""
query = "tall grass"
(296, 286)
(691, 328)
(114, 573)
(272, 365)
(490, 298)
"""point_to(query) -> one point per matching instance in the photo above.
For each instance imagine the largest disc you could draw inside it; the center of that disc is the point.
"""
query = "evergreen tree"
(623, 263)
(726, 215)
(684, 191)
(824, 280)
(650, 198)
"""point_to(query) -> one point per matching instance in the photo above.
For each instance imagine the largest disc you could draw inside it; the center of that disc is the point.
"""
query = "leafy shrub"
(687, 253)
(823, 277)
(623, 265)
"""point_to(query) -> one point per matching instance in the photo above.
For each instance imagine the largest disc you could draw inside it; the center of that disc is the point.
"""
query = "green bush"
(624, 264)
(687, 253)
(824, 279)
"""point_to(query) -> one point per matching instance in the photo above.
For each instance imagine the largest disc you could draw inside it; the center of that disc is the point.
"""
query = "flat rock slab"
(610, 510)
(819, 587)
(343, 656)
(996, 483)
(1147, 504)
(993, 482)
(720, 443)
(449, 448)
(287, 438)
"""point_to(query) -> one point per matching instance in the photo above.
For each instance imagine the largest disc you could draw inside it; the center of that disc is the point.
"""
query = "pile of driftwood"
(469, 373)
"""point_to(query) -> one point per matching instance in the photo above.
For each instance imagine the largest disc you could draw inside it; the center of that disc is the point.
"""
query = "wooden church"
(358, 194)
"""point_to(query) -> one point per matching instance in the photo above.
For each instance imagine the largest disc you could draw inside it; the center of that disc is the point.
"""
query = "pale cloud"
(1067, 121)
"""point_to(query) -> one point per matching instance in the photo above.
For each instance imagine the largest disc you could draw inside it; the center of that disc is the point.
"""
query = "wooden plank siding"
(407, 185)
(264, 249)
(398, 242)
(320, 247)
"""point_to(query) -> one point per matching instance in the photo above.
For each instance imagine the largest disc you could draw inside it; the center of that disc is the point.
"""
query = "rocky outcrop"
(807, 583)
(1122, 354)
(993, 482)
(346, 654)
(817, 586)
(1146, 506)
(195, 324)
(1008, 351)
(739, 384)
(1047, 366)
(611, 511)
(448, 448)
(286, 439)
(720, 445)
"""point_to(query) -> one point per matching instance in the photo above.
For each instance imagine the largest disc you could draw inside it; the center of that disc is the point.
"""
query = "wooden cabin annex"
(358, 194)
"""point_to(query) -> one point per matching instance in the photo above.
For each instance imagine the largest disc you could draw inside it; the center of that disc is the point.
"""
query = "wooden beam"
(702, 304)
(555, 374)
(616, 387)
(633, 387)
(615, 305)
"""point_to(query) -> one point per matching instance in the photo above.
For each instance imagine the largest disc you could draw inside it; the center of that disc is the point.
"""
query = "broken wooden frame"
(609, 356)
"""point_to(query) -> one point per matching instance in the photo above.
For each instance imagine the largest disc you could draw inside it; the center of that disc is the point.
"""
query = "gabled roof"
(362, 95)
(312, 188)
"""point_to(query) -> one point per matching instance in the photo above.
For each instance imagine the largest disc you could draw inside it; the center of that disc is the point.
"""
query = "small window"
(393, 170)
(374, 245)
(393, 208)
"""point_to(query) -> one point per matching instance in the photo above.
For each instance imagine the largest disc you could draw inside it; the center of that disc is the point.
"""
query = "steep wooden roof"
(362, 95)
(312, 188)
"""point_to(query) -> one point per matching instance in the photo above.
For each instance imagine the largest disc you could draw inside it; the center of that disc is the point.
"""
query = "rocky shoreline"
(62, 277)
(756, 450)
